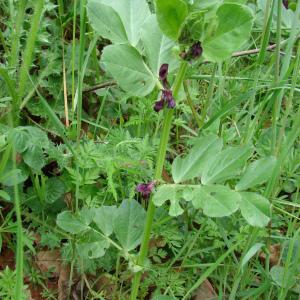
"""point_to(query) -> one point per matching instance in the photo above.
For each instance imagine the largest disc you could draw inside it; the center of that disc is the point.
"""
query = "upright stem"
(161, 155)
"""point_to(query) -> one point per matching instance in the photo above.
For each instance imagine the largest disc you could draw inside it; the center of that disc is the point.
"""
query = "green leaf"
(192, 165)
(169, 192)
(158, 47)
(256, 173)
(216, 200)
(16, 176)
(55, 189)
(126, 65)
(226, 164)
(255, 209)
(72, 223)
(233, 30)
(283, 277)
(92, 245)
(92, 250)
(251, 252)
(5, 196)
(133, 14)
(20, 139)
(170, 16)
(106, 21)
(34, 157)
(104, 218)
(129, 224)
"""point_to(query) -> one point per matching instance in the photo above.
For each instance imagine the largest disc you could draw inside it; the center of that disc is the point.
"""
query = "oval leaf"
(106, 22)
(104, 218)
(256, 173)
(71, 223)
(129, 224)
(126, 65)
(226, 164)
(255, 209)
(233, 30)
(216, 200)
(170, 16)
(192, 165)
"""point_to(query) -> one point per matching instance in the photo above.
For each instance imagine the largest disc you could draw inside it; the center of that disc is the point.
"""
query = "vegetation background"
(149, 149)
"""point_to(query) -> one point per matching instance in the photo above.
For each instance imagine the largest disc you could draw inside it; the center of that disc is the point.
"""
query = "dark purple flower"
(145, 189)
(167, 96)
(285, 3)
(195, 51)
(159, 105)
(163, 75)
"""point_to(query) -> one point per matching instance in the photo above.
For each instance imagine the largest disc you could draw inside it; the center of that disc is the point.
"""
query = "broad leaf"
(171, 193)
(55, 189)
(170, 16)
(192, 165)
(158, 47)
(16, 176)
(133, 14)
(20, 139)
(34, 157)
(126, 65)
(106, 21)
(255, 209)
(104, 218)
(226, 164)
(72, 223)
(233, 30)
(283, 277)
(216, 200)
(93, 249)
(256, 173)
(129, 224)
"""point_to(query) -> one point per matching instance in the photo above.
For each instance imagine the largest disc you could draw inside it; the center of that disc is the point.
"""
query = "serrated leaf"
(257, 173)
(104, 218)
(226, 164)
(255, 209)
(72, 223)
(171, 193)
(170, 16)
(158, 47)
(127, 67)
(233, 30)
(192, 165)
(216, 200)
(129, 224)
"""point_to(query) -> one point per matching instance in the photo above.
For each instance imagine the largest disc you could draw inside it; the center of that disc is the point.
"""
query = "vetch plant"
(139, 60)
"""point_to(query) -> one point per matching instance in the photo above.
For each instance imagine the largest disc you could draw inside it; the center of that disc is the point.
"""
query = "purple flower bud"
(195, 51)
(163, 75)
(285, 3)
(145, 189)
(163, 72)
(171, 103)
(159, 105)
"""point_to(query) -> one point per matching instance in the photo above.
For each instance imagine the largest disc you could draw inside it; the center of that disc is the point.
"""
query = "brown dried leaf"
(205, 291)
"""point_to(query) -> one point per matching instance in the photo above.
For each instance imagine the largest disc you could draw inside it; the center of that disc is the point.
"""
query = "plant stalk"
(157, 176)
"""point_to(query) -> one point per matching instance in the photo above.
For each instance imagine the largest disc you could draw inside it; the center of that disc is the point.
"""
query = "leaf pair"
(215, 201)
(134, 33)
(126, 222)
(220, 35)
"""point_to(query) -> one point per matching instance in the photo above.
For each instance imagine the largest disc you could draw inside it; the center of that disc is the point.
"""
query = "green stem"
(29, 50)
(80, 65)
(157, 176)
(17, 33)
